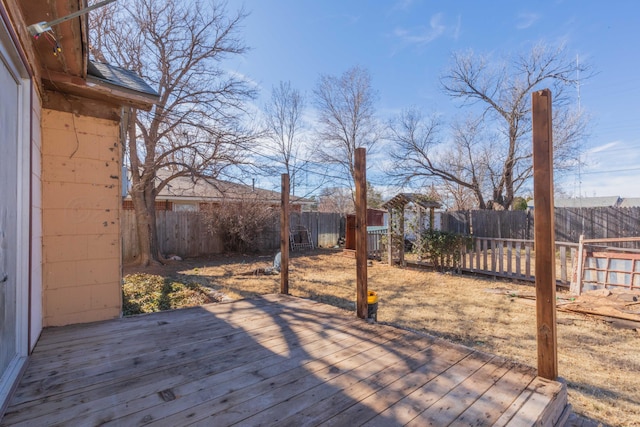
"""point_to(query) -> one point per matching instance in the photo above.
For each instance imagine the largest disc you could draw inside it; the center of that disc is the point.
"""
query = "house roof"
(67, 70)
(587, 202)
(630, 202)
(212, 190)
(116, 76)
(402, 199)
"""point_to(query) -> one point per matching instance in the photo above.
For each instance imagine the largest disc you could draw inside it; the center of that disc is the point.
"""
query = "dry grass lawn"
(600, 363)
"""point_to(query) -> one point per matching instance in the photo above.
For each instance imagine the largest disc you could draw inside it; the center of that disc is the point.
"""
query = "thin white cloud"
(457, 28)
(604, 147)
(526, 20)
(245, 78)
(424, 35)
(403, 4)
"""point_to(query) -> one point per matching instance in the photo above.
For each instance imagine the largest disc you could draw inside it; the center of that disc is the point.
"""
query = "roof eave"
(94, 88)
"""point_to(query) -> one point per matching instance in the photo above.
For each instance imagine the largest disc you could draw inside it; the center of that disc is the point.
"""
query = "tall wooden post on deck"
(544, 235)
(360, 163)
(284, 235)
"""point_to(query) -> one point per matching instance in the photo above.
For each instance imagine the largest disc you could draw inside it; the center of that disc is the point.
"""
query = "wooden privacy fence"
(497, 224)
(186, 235)
(570, 223)
(323, 227)
(598, 223)
(179, 233)
(514, 259)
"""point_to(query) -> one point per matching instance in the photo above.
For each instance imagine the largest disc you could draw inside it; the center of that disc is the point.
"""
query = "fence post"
(284, 235)
(544, 234)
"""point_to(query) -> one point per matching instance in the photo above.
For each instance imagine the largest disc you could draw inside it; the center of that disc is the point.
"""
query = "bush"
(241, 223)
(442, 248)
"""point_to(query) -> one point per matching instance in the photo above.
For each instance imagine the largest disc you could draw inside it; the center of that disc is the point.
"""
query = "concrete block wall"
(81, 166)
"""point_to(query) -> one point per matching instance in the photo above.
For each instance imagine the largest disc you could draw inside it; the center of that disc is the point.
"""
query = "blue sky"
(406, 45)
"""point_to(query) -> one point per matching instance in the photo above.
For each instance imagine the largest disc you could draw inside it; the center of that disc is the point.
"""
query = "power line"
(611, 171)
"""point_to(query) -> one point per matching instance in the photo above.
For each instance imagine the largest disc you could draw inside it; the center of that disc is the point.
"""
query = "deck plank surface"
(275, 360)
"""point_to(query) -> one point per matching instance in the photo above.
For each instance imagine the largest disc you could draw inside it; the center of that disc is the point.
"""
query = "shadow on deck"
(272, 360)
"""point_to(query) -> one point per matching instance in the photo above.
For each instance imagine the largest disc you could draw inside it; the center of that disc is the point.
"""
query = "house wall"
(81, 218)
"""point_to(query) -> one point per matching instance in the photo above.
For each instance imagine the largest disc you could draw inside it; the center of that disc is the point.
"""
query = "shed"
(375, 218)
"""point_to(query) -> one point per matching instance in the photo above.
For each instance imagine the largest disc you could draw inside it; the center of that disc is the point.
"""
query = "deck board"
(271, 360)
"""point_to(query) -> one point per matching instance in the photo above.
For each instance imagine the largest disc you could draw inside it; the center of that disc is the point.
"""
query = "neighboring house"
(630, 202)
(187, 194)
(60, 166)
(584, 202)
(587, 202)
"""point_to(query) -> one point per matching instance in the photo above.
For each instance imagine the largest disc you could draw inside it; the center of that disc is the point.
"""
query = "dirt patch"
(600, 363)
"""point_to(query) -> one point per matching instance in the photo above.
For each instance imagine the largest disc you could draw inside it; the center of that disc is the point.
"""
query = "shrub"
(240, 223)
(442, 248)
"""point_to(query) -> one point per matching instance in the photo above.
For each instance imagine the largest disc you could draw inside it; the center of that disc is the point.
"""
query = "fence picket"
(527, 257)
(501, 249)
(518, 246)
(563, 263)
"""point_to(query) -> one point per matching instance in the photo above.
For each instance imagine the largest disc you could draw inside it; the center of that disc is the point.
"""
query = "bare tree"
(346, 118)
(488, 154)
(284, 120)
(423, 157)
(501, 95)
(194, 129)
(337, 200)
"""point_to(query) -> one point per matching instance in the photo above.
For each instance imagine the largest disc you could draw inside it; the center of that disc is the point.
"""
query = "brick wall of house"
(81, 205)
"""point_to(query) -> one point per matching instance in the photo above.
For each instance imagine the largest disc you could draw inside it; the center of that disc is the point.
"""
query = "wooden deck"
(276, 360)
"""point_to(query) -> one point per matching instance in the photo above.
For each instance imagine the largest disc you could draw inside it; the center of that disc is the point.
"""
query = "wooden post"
(544, 235)
(361, 231)
(284, 235)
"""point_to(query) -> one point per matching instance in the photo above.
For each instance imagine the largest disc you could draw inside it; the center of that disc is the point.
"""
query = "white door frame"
(10, 57)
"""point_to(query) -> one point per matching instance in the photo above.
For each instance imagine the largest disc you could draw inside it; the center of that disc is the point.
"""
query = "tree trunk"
(146, 230)
(144, 201)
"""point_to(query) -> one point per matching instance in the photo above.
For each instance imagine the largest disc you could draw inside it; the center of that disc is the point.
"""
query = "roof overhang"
(67, 71)
(98, 89)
